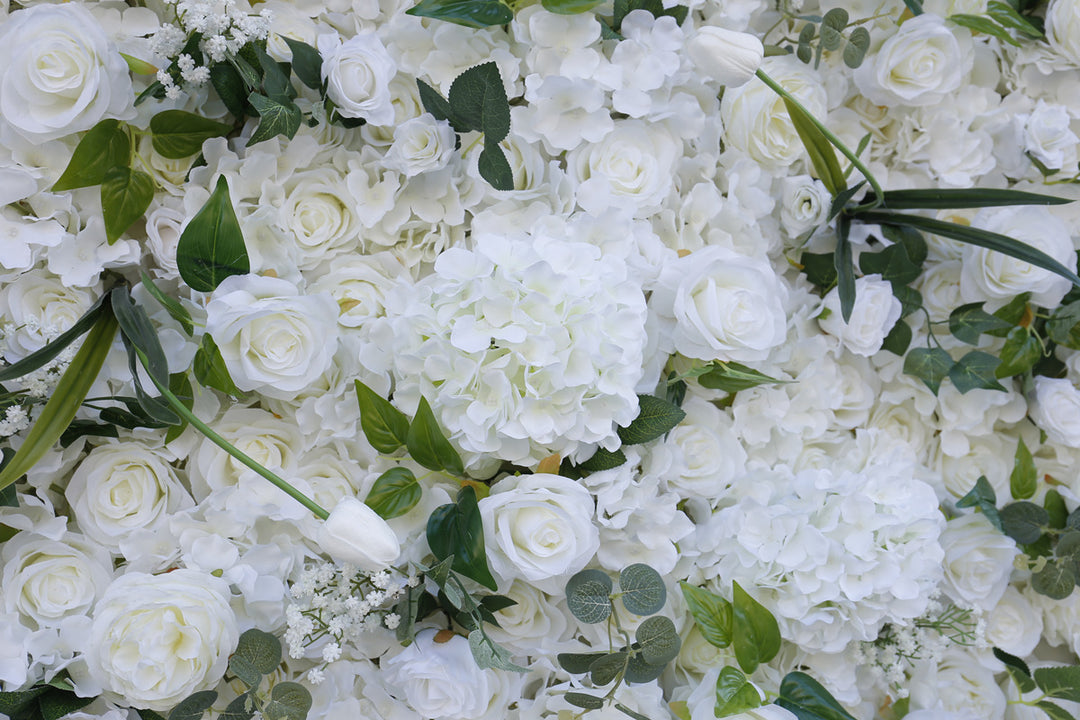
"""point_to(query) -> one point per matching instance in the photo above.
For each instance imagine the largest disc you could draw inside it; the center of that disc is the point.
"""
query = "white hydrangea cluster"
(528, 345)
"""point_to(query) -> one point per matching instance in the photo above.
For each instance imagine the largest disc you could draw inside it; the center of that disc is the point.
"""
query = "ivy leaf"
(470, 13)
(642, 588)
(969, 321)
(899, 338)
(1023, 481)
(394, 493)
(976, 371)
(125, 195)
(104, 147)
(805, 696)
(194, 706)
(734, 693)
(427, 444)
(211, 248)
(892, 263)
(1021, 351)
(457, 529)
(819, 268)
(655, 418)
(931, 365)
(982, 496)
(588, 595)
(384, 426)
(177, 134)
(277, 117)
(1063, 327)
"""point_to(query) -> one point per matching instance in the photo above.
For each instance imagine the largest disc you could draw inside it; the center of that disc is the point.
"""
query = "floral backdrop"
(469, 359)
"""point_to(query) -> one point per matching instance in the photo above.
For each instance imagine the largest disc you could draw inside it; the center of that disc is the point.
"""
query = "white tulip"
(354, 534)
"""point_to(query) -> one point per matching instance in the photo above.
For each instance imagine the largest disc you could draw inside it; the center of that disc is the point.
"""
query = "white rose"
(978, 561)
(358, 74)
(1048, 136)
(756, 120)
(123, 487)
(725, 56)
(440, 679)
(1055, 408)
(711, 452)
(1014, 625)
(319, 213)
(539, 528)
(48, 580)
(876, 311)
(163, 228)
(354, 534)
(61, 74)
(273, 339)
(41, 307)
(720, 305)
(921, 64)
(958, 683)
(534, 622)
(359, 284)
(421, 144)
(806, 204)
(156, 639)
(1063, 28)
(998, 278)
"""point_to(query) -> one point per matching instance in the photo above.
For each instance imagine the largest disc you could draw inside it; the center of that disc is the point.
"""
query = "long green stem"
(179, 408)
(837, 143)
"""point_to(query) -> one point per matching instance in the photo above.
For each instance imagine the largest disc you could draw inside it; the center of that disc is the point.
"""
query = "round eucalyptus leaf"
(643, 590)
(588, 593)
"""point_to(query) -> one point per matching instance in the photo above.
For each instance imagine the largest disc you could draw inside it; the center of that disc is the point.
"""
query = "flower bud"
(354, 534)
(728, 57)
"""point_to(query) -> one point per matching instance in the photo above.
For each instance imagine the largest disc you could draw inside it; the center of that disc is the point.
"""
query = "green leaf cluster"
(1057, 683)
(1003, 21)
(44, 701)
(591, 597)
(743, 623)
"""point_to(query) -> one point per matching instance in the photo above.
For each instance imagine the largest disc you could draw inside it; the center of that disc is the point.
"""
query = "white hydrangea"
(525, 346)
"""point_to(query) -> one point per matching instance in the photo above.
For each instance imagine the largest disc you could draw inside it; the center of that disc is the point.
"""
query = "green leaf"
(1055, 509)
(210, 369)
(104, 147)
(1023, 481)
(13, 702)
(251, 77)
(734, 693)
(642, 589)
(578, 663)
(176, 311)
(819, 268)
(1063, 327)
(974, 236)
(488, 654)
(630, 713)
(230, 88)
(858, 43)
(149, 714)
(1017, 669)
(384, 426)
(137, 330)
(892, 263)
(1013, 313)
(639, 671)
(1059, 682)
(394, 493)
(583, 700)
(432, 101)
(211, 248)
(976, 370)
(931, 365)
(258, 653)
(65, 401)
(588, 595)
(55, 703)
(45, 355)
(832, 28)
(845, 268)
(732, 377)
(138, 66)
(1054, 712)
(1021, 351)
(755, 632)
(603, 459)
(306, 62)
(711, 612)
(194, 706)
(915, 6)
(276, 118)
(655, 418)
(241, 708)
(179, 134)
(982, 496)
(125, 195)
(806, 36)
(427, 444)
(980, 23)
(570, 7)
(288, 701)
(969, 321)
(457, 529)
(805, 696)
(899, 338)
(494, 167)
(1007, 15)
(1056, 581)
(818, 148)
(659, 640)
(607, 667)
(1024, 522)
(478, 99)
(275, 76)
(470, 13)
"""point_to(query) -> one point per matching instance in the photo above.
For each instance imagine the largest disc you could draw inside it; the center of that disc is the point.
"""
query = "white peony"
(875, 312)
(156, 639)
(978, 561)
(61, 73)
(358, 74)
(539, 528)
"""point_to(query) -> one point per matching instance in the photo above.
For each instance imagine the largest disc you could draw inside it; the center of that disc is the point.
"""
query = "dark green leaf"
(976, 370)
(734, 693)
(711, 612)
(607, 667)
(432, 101)
(805, 696)
(470, 13)
(258, 653)
(899, 338)
(427, 444)
(1063, 327)
(384, 426)
(806, 36)
(845, 268)
(630, 713)
(13, 702)
(288, 701)
(659, 640)
(588, 595)
(1007, 15)
(967, 322)
(578, 663)
(910, 299)
(176, 311)
(639, 671)
(241, 708)
(892, 263)
(1056, 581)
(582, 700)
(819, 268)
(642, 588)
(655, 418)
(306, 62)
(732, 377)
(915, 6)
(569, 7)
(407, 609)
(125, 195)
(40, 358)
(949, 199)
(153, 90)
(104, 147)
(457, 529)
(982, 496)
(1054, 712)
(394, 493)
(275, 79)
(179, 134)
(87, 428)
(1024, 522)
(755, 632)
(276, 117)
(1023, 481)
(494, 167)
(980, 23)
(1021, 351)
(1012, 313)
(478, 100)
(194, 706)
(1018, 669)
(1055, 509)
(931, 365)
(210, 370)
(818, 147)
(1059, 682)
(230, 88)
(858, 43)
(149, 714)
(603, 459)
(211, 248)
(910, 238)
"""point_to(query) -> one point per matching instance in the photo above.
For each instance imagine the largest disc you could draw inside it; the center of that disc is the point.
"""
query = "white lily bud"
(728, 57)
(354, 534)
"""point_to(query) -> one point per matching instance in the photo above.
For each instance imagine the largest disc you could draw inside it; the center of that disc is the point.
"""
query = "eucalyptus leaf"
(858, 43)
(1023, 521)
(428, 445)
(177, 134)
(211, 248)
(457, 529)
(588, 595)
(241, 708)
(584, 700)
(194, 706)
(711, 612)
(607, 667)
(654, 419)
(125, 195)
(642, 589)
(288, 701)
(1056, 581)
(578, 663)
(394, 493)
(384, 426)
(640, 671)
(630, 713)
(104, 147)
(258, 653)
(659, 640)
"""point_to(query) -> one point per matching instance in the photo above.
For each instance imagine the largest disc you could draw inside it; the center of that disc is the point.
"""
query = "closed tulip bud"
(354, 534)
(730, 58)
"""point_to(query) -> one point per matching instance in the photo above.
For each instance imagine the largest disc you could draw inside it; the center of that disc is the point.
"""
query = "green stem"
(179, 408)
(837, 143)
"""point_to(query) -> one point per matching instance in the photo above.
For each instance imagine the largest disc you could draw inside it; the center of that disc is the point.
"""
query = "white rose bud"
(354, 534)
(725, 56)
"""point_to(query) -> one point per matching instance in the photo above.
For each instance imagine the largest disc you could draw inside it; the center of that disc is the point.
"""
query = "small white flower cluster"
(341, 603)
(15, 420)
